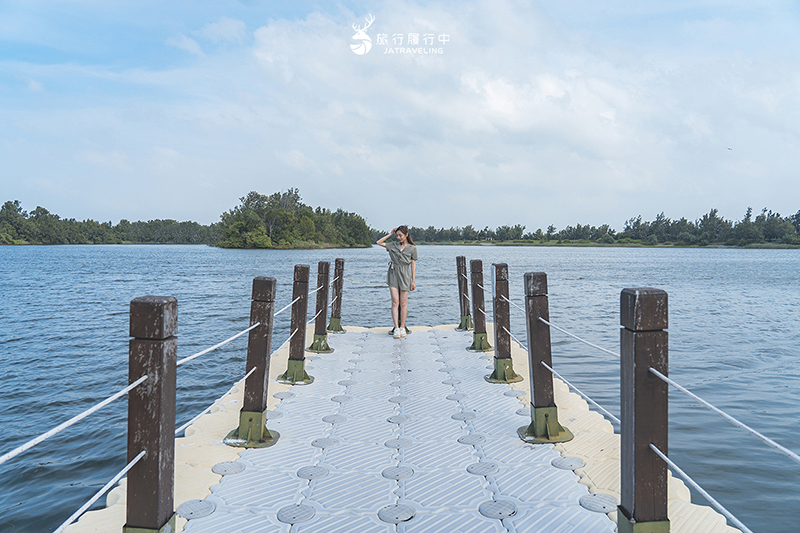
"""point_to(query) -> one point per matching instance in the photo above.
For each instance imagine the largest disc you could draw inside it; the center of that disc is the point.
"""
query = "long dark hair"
(404, 229)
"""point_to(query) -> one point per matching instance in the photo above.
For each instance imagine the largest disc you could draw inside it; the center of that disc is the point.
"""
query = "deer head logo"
(365, 44)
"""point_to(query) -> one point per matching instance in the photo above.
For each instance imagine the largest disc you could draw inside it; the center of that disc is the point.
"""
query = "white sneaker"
(397, 333)
(402, 332)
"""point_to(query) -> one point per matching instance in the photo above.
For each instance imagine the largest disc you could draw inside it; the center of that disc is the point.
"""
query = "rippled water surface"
(734, 340)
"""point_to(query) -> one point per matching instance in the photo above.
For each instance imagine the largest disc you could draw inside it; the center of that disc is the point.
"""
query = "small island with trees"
(282, 221)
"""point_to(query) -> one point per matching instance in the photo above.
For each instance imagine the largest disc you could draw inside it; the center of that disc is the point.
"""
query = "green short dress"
(399, 274)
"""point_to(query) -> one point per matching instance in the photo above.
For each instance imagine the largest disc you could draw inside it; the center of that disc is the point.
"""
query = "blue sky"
(532, 113)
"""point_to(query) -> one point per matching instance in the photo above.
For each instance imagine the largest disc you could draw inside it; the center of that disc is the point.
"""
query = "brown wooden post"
(503, 366)
(151, 414)
(337, 287)
(479, 341)
(544, 426)
(295, 370)
(643, 411)
(463, 294)
(320, 342)
(252, 431)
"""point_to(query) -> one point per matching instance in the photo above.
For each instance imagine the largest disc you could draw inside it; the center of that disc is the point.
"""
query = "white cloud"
(185, 43)
(518, 121)
(225, 29)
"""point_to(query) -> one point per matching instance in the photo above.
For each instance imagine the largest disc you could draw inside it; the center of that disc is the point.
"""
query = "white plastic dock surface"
(393, 428)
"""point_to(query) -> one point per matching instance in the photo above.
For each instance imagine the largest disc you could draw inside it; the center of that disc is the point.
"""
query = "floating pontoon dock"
(401, 435)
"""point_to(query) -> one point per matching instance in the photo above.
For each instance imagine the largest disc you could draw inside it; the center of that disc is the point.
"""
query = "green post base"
(544, 427)
(295, 373)
(480, 343)
(252, 432)
(466, 324)
(320, 345)
(169, 527)
(627, 525)
(503, 372)
(336, 325)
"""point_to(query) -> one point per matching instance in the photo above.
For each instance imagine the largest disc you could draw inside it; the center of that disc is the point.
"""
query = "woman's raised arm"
(382, 240)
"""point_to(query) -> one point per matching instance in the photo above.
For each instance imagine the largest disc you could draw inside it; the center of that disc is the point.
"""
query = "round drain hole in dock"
(341, 398)
(441, 360)
(352, 370)
(446, 369)
(398, 419)
(324, 442)
(399, 370)
(398, 399)
(195, 509)
(272, 415)
(397, 472)
(498, 509)
(457, 396)
(284, 395)
(354, 361)
(524, 411)
(490, 367)
(295, 513)
(312, 472)
(348, 382)
(398, 383)
(227, 468)
(483, 469)
(473, 439)
(514, 393)
(395, 514)
(451, 382)
(334, 419)
(398, 443)
(599, 503)
(567, 463)
(467, 415)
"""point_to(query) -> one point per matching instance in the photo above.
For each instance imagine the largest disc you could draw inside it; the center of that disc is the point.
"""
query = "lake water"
(734, 340)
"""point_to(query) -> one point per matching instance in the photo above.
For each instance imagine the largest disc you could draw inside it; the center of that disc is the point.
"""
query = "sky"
(505, 112)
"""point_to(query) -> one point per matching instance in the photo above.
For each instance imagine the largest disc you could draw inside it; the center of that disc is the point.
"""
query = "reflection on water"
(734, 340)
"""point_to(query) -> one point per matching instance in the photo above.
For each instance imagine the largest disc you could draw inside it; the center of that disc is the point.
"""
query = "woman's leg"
(403, 308)
(394, 291)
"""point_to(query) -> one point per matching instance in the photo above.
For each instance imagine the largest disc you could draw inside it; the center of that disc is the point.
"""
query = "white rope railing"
(512, 303)
(207, 409)
(100, 492)
(562, 330)
(585, 397)
(285, 307)
(675, 468)
(226, 341)
(315, 290)
(30, 444)
(766, 440)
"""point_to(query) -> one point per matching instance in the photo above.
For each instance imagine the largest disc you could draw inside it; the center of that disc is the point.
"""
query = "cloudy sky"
(531, 113)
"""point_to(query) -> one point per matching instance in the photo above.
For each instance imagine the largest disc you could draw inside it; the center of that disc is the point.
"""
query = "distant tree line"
(711, 229)
(40, 226)
(282, 220)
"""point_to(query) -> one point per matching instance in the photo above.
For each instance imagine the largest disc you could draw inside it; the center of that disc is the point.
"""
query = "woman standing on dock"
(401, 275)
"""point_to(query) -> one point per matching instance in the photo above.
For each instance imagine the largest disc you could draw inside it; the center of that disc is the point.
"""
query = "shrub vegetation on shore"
(282, 220)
